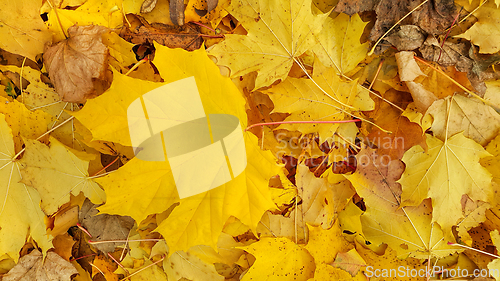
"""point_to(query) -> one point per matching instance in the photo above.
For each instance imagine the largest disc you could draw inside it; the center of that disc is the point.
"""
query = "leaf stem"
(474, 249)
(301, 122)
(123, 241)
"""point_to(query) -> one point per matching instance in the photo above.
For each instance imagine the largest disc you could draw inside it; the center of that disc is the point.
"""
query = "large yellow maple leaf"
(445, 172)
(20, 213)
(407, 230)
(278, 33)
(141, 188)
(325, 97)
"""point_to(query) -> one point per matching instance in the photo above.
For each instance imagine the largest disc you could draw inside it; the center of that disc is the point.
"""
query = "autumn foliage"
(371, 135)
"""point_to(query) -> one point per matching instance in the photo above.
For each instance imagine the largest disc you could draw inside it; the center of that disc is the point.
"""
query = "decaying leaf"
(78, 63)
(148, 6)
(177, 11)
(351, 7)
(104, 227)
(34, 267)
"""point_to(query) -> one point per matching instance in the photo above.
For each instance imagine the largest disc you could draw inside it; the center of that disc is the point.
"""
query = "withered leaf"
(34, 267)
(148, 6)
(433, 17)
(177, 12)
(104, 226)
(77, 64)
(186, 37)
(352, 7)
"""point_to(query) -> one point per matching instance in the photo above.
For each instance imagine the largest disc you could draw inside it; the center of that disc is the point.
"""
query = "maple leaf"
(277, 35)
(444, 173)
(142, 187)
(325, 244)
(21, 28)
(15, 196)
(185, 265)
(476, 120)
(321, 200)
(326, 97)
(484, 32)
(411, 232)
(279, 259)
(55, 179)
(404, 134)
(338, 43)
(34, 267)
(494, 266)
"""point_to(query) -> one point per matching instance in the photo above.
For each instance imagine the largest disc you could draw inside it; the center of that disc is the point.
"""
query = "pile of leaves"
(371, 130)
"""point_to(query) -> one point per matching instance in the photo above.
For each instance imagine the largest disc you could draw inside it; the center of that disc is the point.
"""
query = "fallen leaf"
(148, 6)
(75, 64)
(177, 11)
(22, 30)
(277, 36)
(350, 261)
(55, 179)
(445, 172)
(484, 32)
(338, 43)
(475, 119)
(35, 267)
(404, 134)
(182, 265)
(325, 244)
(351, 7)
(327, 98)
(322, 200)
(410, 233)
(494, 266)
(291, 227)
(279, 259)
(104, 227)
(388, 13)
(186, 36)
(406, 38)
(16, 196)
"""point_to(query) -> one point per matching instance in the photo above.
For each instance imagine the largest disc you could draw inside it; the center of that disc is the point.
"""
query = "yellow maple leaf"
(477, 120)
(322, 200)
(325, 244)
(140, 187)
(494, 266)
(188, 266)
(278, 33)
(279, 259)
(339, 44)
(485, 32)
(20, 212)
(56, 173)
(407, 230)
(326, 98)
(21, 28)
(444, 173)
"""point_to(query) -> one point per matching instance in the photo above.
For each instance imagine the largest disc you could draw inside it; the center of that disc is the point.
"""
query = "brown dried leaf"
(433, 17)
(186, 37)
(34, 267)
(148, 6)
(77, 65)
(352, 7)
(177, 12)
(104, 226)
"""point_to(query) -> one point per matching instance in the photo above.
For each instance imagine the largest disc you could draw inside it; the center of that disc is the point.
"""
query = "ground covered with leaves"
(371, 131)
